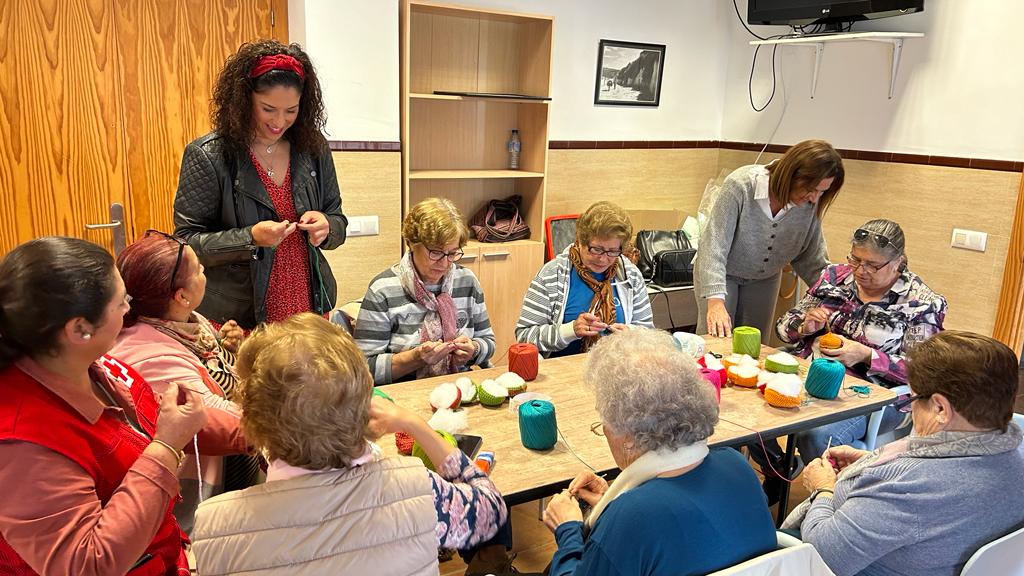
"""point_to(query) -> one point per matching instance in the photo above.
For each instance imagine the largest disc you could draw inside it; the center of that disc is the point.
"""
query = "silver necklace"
(266, 159)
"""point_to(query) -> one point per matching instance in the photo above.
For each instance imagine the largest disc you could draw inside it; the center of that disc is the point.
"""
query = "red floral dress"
(288, 292)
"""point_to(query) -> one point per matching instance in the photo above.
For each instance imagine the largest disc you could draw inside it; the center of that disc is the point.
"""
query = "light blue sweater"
(917, 516)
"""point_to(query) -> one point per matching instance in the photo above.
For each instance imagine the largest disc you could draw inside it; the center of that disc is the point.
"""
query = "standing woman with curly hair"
(258, 197)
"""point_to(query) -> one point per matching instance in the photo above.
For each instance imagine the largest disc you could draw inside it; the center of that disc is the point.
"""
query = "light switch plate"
(363, 225)
(969, 239)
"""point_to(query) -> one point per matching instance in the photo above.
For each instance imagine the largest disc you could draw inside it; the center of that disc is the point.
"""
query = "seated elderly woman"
(588, 290)
(167, 341)
(425, 316)
(676, 508)
(924, 504)
(878, 308)
(89, 453)
(331, 503)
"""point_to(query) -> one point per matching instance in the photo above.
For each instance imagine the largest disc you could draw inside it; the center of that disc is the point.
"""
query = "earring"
(86, 336)
(187, 303)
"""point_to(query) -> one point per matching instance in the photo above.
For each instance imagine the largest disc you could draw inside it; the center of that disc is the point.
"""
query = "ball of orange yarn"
(523, 359)
(830, 342)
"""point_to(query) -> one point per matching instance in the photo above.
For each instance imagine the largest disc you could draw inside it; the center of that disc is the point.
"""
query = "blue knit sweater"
(916, 516)
(712, 517)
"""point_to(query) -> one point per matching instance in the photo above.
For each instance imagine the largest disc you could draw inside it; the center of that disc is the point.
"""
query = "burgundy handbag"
(500, 221)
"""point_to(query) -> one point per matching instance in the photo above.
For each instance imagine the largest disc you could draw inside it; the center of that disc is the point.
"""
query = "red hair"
(146, 267)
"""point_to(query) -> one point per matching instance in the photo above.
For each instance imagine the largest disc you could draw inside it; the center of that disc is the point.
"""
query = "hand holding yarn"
(819, 475)
(814, 320)
(588, 487)
(431, 352)
(315, 225)
(562, 508)
(618, 327)
(587, 324)
(850, 353)
(843, 456)
(463, 349)
(386, 417)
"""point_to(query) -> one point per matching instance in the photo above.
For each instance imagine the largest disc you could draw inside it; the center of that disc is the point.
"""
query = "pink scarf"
(440, 324)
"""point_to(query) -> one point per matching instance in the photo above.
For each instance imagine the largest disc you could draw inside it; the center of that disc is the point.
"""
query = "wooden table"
(523, 475)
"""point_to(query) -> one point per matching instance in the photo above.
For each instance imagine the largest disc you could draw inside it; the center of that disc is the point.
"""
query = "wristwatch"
(819, 491)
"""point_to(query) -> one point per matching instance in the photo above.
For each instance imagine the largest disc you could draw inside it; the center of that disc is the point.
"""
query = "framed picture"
(629, 73)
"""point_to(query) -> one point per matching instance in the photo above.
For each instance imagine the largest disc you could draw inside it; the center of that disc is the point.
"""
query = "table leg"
(787, 465)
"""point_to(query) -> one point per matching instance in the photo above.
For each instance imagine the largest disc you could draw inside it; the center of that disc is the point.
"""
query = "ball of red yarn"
(404, 442)
(523, 360)
(715, 378)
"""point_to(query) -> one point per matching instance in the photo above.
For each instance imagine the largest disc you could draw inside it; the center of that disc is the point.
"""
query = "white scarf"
(648, 466)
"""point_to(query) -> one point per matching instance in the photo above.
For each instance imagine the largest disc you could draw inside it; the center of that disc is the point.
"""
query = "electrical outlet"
(363, 226)
(969, 239)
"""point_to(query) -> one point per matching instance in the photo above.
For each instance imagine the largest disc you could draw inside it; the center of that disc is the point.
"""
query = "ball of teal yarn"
(746, 340)
(825, 378)
(538, 428)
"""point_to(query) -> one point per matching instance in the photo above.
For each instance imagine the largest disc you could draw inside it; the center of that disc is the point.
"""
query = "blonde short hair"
(305, 392)
(604, 220)
(435, 223)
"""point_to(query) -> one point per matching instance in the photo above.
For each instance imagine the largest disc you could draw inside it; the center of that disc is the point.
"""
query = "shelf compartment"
(466, 174)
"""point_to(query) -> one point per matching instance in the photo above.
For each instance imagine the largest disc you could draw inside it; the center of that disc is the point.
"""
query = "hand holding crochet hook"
(588, 487)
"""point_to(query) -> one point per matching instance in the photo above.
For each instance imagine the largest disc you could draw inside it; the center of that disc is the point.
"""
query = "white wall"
(958, 92)
(354, 46)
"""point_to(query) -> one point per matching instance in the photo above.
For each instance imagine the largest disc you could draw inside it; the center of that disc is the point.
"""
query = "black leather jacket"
(217, 203)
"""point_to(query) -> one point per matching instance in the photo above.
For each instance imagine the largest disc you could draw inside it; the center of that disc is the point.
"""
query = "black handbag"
(666, 257)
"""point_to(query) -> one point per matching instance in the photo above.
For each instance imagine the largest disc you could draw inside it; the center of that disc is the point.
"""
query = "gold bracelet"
(178, 454)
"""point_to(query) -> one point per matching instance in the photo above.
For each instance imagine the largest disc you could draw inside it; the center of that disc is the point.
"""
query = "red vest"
(29, 412)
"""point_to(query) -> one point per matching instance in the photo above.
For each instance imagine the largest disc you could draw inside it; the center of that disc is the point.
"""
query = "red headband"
(277, 62)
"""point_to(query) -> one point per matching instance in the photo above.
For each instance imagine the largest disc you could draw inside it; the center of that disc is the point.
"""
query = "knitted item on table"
(714, 377)
(468, 389)
(745, 376)
(738, 360)
(825, 378)
(783, 391)
(830, 341)
(490, 393)
(513, 383)
(710, 362)
(781, 362)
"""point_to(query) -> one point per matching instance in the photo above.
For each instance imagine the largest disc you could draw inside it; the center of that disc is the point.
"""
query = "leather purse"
(666, 257)
(500, 221)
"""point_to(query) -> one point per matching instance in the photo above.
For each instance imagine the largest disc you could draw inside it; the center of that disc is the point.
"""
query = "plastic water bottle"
(514, 147)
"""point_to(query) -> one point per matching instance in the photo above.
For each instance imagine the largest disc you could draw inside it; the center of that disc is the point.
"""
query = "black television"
(831, 13)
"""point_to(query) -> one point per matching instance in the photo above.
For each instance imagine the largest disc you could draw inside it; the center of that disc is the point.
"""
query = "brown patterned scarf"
(603, 304)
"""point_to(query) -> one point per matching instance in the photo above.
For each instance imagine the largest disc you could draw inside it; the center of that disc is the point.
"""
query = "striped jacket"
(540, 319)
(389, 320)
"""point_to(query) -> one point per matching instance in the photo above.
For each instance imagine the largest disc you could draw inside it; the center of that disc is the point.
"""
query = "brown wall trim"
(363, 146)
(953, 161)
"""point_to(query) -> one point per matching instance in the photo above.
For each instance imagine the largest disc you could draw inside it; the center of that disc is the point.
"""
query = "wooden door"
(61, 146)
(171, 52)
(98, 99)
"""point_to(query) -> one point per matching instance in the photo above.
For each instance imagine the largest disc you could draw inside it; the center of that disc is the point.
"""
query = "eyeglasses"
(598, 251)
(597, 429)
(856, 263)
(181, 251)
(861, 235)
(904, 404)
(436, 255)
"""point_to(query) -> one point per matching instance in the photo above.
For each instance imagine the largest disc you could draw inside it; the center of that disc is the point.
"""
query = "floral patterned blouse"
(469, 508)
(908, 314)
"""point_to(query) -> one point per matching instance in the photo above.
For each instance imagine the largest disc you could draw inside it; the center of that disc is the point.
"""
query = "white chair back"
(802, 560)
(1004, 556)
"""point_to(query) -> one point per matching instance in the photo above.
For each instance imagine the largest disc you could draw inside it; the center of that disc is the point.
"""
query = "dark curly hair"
(231, 110)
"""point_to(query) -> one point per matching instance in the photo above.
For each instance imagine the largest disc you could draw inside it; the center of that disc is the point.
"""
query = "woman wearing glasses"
(588, 290)
(425, 316)
(879, 308)
(764, 218)
(167, 341)
(924, 504)
(258, 197)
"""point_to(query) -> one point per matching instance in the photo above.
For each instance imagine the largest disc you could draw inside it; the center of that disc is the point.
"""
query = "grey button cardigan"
(741, 243)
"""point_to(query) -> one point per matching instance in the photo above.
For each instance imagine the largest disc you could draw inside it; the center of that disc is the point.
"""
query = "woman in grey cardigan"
(925, 504)
(764, 218)
(588, 290)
